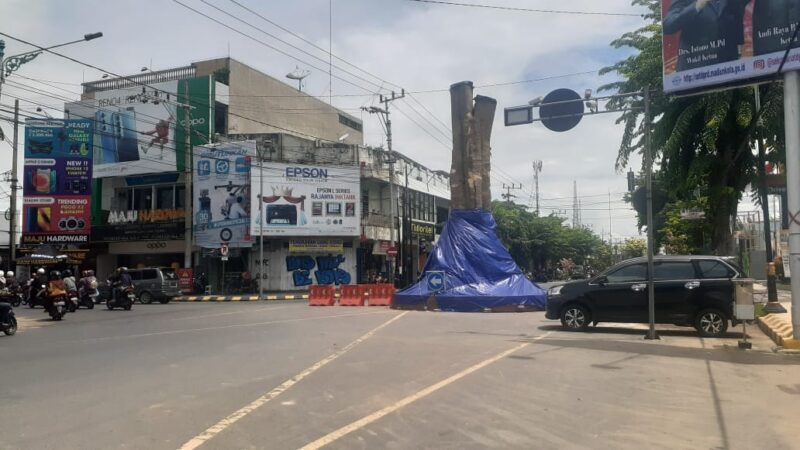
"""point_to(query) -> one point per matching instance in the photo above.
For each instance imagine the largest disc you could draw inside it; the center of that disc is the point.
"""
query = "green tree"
(633, 248)
(697, 140)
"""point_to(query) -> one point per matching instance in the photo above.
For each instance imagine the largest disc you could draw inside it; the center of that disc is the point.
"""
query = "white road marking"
(347, 429)
(223, 424)
(234, 312)
(222, 327)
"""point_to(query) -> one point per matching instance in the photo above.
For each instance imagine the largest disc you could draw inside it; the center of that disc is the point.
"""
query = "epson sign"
(306, 172)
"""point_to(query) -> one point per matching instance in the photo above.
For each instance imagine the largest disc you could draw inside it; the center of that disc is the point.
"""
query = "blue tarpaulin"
(478, 272)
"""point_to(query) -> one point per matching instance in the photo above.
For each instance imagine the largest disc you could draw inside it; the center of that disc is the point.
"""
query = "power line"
(544, 11)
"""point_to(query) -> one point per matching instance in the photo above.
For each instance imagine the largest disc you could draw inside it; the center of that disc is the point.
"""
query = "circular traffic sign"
(565, 114)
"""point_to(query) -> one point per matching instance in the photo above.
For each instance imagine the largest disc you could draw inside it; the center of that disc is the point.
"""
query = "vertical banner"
(222, 194)
(57, 181)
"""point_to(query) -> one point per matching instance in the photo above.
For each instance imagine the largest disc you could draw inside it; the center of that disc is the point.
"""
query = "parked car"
(155, 283)
(689, 291)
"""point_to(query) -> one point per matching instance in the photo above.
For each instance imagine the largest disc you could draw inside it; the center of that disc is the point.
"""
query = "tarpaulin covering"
(479, 273)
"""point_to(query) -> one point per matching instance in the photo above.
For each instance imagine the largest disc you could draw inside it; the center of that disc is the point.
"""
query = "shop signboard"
(56, 181)
(316, 246)
(425, 231)
(707, 44)
(141, 129)
(221, 192)
(151, 225)
(302, 200)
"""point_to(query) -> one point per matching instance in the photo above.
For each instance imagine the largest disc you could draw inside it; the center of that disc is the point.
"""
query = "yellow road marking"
(347, 429)
(223, 424)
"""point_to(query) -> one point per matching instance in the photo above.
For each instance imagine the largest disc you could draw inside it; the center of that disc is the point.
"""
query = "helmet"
(40, 271)
(67, 273)
(10, 274)
(55, 275)
(90, 273)
(123, 269)
(2, 274)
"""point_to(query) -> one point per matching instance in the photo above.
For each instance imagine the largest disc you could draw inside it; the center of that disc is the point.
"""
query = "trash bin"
(744, 309)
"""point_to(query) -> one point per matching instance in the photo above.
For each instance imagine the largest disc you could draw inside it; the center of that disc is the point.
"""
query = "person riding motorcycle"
(120, 280)
(69, 281)
(55, 289)
(87, 285)
(11, 282)
(36, 282)
(2, 279)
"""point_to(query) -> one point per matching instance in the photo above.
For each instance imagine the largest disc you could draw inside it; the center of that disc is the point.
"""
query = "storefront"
(296, 263)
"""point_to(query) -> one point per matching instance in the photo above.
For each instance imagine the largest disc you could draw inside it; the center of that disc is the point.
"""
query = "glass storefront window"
(165, 197)
(143, 198)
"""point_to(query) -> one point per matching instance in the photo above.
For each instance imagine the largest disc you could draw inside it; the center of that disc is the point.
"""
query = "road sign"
(392, 251)
(224, 258)
(436, 281)
(223, 250)
(561, 110)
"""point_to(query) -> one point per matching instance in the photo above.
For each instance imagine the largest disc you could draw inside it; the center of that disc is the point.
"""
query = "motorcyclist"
(69, 281)
(120, 280)
(87, 284)
(2, 279)
(36, 282)
(55, 288)
(11, 282)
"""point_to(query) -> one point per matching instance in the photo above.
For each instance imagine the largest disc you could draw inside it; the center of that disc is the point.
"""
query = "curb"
(238, 298)
(774, 326)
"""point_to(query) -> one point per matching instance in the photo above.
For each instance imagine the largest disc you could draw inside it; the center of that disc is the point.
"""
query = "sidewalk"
(270, 296)
(778, 326)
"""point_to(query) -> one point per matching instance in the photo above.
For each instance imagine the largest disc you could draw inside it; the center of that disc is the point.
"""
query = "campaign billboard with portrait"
(713, 43)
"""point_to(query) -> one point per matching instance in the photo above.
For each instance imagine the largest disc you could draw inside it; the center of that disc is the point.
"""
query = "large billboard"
(141, 130)
(302, 200)
(708, 43)
(222, 194)
(57, 181)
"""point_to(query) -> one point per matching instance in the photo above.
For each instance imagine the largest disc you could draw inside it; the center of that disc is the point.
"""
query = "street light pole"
(648, 152)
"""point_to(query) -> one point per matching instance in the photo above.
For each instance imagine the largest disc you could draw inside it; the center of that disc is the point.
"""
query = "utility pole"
(383, 114)
(610, 220)
(187, 170)
(260, 223)
(12, 229)
(791, 113)
(576, 207)
(648, 151)
(508, 195)
(537, 168)
(772, 306)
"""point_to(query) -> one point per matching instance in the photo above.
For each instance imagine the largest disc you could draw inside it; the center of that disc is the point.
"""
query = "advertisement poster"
(141, 129)
(708, 43)
(56, 181)
(308, 201)
(222, 194)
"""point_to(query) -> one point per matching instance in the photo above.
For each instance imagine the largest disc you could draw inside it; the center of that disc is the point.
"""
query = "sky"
(512, 56)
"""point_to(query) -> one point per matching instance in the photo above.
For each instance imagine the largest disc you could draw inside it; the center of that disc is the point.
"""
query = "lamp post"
(8, 66)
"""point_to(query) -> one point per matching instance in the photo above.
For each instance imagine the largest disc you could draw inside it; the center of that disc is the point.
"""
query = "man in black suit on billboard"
(712, 31)
(772, 25)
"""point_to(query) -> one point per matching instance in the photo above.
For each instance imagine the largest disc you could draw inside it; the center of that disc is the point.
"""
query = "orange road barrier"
(321, 295)
(381, 294)
(352, 295)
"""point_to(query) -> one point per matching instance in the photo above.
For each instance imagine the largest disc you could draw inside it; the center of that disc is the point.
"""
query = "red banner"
(184, 280)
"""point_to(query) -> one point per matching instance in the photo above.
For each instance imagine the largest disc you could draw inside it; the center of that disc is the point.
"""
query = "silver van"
(155, 283)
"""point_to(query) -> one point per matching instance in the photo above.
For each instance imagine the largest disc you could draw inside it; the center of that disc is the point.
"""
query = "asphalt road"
(286, 376)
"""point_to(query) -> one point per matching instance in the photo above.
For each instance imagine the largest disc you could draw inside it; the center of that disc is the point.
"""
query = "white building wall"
(296, 271)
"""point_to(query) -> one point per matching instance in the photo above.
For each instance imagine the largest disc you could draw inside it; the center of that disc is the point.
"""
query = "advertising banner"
(153, 225)
(308, 201)
(185, 280)
(708, 43)
(316, 246)
(222, 194)
(56, 182)
(140, 129)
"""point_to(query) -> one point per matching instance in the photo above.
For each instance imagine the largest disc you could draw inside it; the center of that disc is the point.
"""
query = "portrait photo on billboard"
(713, 43)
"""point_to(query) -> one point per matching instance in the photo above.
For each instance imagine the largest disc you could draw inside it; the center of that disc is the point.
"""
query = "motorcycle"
(10, 327)
(87, 294)
(55, 305)
(11, 297)
(124, 298)
(73, 303)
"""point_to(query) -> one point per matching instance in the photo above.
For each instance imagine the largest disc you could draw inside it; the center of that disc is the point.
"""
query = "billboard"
(140, 130)
(708, 43)
(56, 183)
(304, 200)
(221, 192)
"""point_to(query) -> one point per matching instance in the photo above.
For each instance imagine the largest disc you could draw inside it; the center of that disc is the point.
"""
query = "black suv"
(689, 291)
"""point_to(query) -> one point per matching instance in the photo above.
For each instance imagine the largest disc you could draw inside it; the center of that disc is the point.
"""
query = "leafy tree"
(633, 248)
(697, 140)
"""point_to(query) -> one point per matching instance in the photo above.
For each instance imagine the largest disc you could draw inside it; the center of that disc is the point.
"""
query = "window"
(180, 196)
(149, 274)
(364, 203)
(628, 274)
(169, 274)
(165, 197)
(143, 199)
(710, 268)
(136, 275)
(674, 271)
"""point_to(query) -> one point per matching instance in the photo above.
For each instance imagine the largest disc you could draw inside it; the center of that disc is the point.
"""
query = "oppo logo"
(155, 245)
(198, 121)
